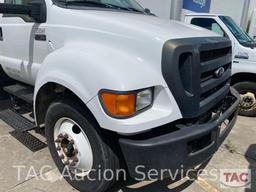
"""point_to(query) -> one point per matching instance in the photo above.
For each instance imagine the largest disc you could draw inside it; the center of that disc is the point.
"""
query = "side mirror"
(36, 9)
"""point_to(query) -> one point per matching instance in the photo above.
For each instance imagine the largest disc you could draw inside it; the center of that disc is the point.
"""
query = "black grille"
(198, 72)
(210, 83)
(214, 54)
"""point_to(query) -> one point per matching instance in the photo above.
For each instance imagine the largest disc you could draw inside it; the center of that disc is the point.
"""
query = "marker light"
(144, 99)
(118, 105)
(123, 105)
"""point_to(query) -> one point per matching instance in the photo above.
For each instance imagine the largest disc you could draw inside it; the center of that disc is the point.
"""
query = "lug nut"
(60, 136)
(75, 152)
(66, 136)
(62, 156)
(71, 142)
(75, 159)
(66, 163)
(57, 141)
(58, 148)
(72, 164)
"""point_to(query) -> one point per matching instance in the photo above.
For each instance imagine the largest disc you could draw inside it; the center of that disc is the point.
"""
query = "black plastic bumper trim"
(170, 151)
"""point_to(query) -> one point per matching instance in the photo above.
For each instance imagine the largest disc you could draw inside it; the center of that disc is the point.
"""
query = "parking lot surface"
(23, 171)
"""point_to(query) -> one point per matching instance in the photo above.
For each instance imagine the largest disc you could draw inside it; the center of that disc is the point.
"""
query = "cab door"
(24, 45)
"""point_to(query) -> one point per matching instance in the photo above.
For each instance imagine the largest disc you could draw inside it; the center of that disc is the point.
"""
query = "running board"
(16, 121)
(23, 92)
(29, 140)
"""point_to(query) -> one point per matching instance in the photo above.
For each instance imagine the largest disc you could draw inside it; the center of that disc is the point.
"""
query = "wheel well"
(51, 92)
(240, 77)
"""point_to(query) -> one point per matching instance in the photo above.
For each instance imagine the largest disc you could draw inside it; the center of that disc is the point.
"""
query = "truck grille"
(213, 86)
(198, 72)
(214, 54)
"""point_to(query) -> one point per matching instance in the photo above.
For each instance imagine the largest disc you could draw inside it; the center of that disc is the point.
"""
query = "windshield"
(128, 5)
(240, 35)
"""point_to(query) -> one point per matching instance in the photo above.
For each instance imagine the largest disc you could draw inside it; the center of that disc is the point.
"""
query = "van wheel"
(78, 149)
(247, 92)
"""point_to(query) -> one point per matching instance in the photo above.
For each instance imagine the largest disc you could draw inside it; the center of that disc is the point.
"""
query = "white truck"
(244, 56)
(114, 87)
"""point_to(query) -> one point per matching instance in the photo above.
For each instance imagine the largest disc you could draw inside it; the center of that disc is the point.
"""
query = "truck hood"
(130, 25)
(145, 24)
(129, 43)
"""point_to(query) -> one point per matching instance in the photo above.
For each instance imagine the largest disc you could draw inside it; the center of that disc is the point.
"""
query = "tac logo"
(235, 178)
(202, 3)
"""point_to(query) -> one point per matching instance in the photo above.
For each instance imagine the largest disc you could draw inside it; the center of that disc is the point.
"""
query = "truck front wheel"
(78, 149)
(247, 92)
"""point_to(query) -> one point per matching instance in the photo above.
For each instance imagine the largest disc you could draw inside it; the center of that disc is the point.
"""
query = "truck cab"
(113, 87)
(244, 55)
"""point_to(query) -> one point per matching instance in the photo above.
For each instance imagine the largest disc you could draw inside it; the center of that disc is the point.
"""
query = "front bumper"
(186, 147)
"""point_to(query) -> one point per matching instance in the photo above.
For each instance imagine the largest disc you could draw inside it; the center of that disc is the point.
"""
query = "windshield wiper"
(135, 10)
(99, 4)
(124, 8)
(75, 2)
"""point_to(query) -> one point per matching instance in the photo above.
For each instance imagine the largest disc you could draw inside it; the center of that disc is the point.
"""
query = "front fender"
(87, 70)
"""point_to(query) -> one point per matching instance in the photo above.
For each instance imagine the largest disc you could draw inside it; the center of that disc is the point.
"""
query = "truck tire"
(4, 79)
(78, 149)
(247, 91)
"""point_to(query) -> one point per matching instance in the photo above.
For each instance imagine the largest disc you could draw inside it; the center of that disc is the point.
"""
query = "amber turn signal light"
(119, 105)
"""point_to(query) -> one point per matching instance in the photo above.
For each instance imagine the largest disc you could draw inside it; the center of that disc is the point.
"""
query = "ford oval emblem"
(219, 72)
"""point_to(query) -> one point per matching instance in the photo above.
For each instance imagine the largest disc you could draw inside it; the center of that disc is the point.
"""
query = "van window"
(19, 2)
(210, 24)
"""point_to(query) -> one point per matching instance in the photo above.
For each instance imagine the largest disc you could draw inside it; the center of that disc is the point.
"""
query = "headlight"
(144, 99)
(126, 104)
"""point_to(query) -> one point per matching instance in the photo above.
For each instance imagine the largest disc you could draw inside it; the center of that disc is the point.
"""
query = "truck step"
(16, 121)
(29, 140)
(23, 92)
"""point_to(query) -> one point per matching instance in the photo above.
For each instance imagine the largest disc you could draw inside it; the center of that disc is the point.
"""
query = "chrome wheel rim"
(73, 147)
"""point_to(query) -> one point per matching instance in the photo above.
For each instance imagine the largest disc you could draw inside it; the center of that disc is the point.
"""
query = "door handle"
(1, 34)
(40, 37)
